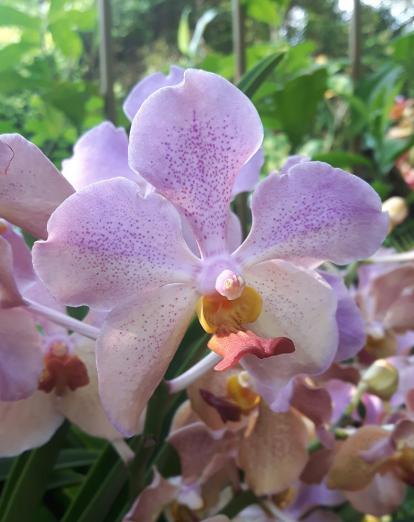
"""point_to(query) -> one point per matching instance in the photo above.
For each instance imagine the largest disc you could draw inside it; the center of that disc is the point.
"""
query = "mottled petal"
(107, 243)
(249, 174)
(383, 495)
(291, 161)
(152, 501)
(30, 185)
(21, 357)
(101, 153)
(234, 232)
(9, 293)
(312, 495)
(314, 213)
(148, 86)
(27, 424)
(400, 316)
(83, 406)
(190, 141)
(275, 453)
(390, 286)
(299, 305)
(22, 258)
(351, 326)
(136, 345)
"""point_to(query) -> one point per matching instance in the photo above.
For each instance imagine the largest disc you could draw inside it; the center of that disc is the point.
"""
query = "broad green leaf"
(254, 78)
(13, 54)
(66, 39)
(297, 104)
(267, 11)
(13, 17)
(403, 48)
(184, 33)
(342, 159)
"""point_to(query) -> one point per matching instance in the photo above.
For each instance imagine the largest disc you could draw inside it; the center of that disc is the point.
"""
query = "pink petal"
(83, 406)
(101, 153)
(9, 293)
(299, 305)
(234, 346)
(190, 141)
(383, 495)
(21, 357)
(27, 424)
(22, 258)
(107, 243)
(148, 86)
(136, 345)
(314, 213)
(249, 174)
(30, 185)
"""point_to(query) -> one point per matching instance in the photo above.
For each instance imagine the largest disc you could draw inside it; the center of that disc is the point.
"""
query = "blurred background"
(342, 92)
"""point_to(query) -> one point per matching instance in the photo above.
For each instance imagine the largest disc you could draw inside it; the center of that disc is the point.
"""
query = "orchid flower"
(115, 250)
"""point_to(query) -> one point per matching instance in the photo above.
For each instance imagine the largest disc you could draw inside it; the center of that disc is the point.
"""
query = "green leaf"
(254, 78)
(341, 159)
(66, 39)
(12, 54)
(200, 27)
(9, 16)
(267, 11)
(28, 480)
(297, 104)
(184, 33)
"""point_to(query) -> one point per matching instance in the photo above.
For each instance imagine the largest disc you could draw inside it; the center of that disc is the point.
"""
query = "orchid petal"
(351, 326)
(107, 243)
(21, 357)
(22, 258)
(83, 406)
(190, 142)
(314, 213)
(275, 453)
(148, 86)
(101, 153)
(299, 305)
(136, 345)
(30, 185)
(9, 293)
(249, 174)
(27, 423)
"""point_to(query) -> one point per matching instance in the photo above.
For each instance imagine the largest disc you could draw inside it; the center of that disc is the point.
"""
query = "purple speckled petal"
(291, 161)
(190, 142)
(148, 86)
(314, 213)
(248, 176)
(135, 347)
(28, 423)
(30, 185)
(107, 244)
(351, 326)
(101, 153)
(297, 304)
(21, 356)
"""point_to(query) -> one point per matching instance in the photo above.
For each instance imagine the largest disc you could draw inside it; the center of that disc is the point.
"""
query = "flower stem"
(71, 323)
(192, 374)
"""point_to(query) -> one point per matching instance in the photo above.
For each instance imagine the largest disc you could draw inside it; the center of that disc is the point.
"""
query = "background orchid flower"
(113, 249)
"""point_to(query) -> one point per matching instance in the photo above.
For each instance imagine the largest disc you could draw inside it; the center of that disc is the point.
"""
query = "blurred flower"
(397, 210)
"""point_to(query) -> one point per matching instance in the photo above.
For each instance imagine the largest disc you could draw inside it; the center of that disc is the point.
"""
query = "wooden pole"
(106, 64)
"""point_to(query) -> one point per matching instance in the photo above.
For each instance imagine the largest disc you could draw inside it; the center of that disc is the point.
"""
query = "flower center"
(218, 314)
(62, 370)
(230, 285)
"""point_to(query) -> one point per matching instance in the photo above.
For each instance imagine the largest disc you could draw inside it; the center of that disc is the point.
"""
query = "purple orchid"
(115, 250)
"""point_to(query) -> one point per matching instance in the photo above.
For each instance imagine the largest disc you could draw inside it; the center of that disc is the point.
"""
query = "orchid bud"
(397, 210)
(381, 379)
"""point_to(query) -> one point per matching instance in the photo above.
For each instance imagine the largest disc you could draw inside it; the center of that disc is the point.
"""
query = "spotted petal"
(314, 213)
(136, 345)
(101, 153)
(299, 305)
(9, 292)
(30, 185)
(21, 358)
(107, 244)
(190, 141)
